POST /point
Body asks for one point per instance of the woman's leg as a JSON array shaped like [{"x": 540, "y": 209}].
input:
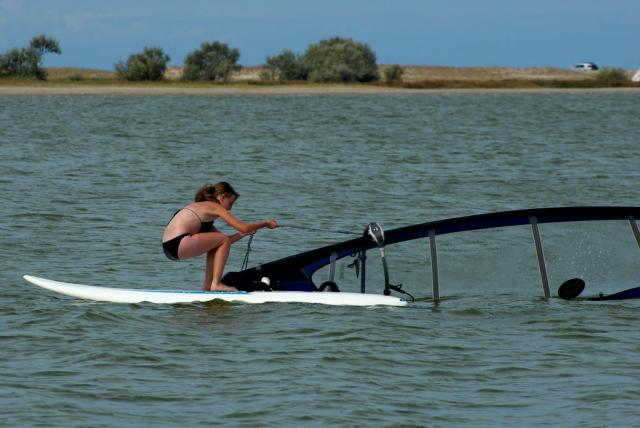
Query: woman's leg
[
  {"x": 220, "y": 256},
  {"x": 216, "y": 261},
  {"x": 208, "y": 272},
  {"x": 217, "y": 246}
]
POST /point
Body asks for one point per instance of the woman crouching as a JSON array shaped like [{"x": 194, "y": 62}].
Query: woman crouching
[{"x": 191, "y": 232}]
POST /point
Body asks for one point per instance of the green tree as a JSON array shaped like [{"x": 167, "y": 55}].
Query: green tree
[
  {"x": 42, "y": 45},
  {"x": 213, "y": 61},
  {"x": 27, "y": 62},
  {"x": 340, "y": 60},
  {"x": 393, "y": 74},
  {"x": 150, "y": 64},
  {"x": 285, "y": 66}
]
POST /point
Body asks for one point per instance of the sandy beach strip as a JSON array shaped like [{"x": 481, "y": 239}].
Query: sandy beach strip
[{"x": 17, "y": 90}]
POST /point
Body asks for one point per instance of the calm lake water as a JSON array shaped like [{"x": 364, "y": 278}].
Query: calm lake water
[{"x": 89, "y": 182}]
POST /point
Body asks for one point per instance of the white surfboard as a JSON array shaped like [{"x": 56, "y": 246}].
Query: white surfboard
[{"x": 126, "y": 295}]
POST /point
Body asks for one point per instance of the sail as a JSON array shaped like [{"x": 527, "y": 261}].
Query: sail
[{"x": 296, "y": 272}]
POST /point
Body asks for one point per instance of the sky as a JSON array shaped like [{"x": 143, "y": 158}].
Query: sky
[{"x": 503, "y": 33}]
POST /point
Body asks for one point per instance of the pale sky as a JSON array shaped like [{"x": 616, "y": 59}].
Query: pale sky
[{"x": 511, "y": 33}]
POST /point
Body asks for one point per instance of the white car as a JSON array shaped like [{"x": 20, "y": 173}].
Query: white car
[{"x": 585, "y": 66}]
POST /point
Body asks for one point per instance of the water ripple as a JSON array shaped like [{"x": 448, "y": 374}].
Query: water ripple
[{"x": 88, "y": 190}]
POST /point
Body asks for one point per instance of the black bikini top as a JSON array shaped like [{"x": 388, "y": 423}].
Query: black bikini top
[{"x": 204, "y": 226}]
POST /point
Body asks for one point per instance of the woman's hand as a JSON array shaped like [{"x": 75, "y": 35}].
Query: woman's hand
[{"x": 271, "y": 224}]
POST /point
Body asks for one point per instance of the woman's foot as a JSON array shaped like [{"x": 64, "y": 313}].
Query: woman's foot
[{"x": 222, "y": 287}]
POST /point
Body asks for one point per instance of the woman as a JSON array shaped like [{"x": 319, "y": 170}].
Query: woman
[{"x": 190, "y": 231}]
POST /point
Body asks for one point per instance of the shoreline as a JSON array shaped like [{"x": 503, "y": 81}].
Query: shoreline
[
  {"x": 337, "y": 89},
  {"x": 416, "y": 79}
]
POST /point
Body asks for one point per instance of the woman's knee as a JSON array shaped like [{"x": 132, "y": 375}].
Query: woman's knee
[{"x": 224, "y": 242}]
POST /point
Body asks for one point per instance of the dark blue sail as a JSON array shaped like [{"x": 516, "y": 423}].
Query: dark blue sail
[{"x": 296, "y": 272}]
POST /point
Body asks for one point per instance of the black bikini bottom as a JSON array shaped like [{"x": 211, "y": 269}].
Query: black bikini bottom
[{"x": 171, "y": 247}]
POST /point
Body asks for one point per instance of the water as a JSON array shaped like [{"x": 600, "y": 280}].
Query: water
[{"x": 89, "y": 182}]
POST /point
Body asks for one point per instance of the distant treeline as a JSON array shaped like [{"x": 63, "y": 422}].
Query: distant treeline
[
  {"x": 333, "y": 60},
  {"x": 330, "y": 60},
  {"x": 338, "y": 60}
]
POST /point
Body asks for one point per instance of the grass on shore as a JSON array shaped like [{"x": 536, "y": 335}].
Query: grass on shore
[
  {"x": 516, "y": 84},
  {"x": 415, "y": 77}
]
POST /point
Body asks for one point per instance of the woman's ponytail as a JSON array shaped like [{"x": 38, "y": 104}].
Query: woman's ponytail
[{"x": 210, "y": 192}]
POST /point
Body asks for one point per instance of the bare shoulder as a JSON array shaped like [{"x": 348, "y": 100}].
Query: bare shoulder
[{"x": 208, "y": 208}]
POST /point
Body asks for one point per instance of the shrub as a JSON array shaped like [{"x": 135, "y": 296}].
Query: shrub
[
  {"x": 213, "y": 61},
  {"x": 612, "y": 75},
  {"x": 285, "y": 66},
  {"x": 14, "y": 63},
  {"x": 150, "y": 64},
  {"x": 393, "y": 74},
  {"x": 27, "y": 62},
  {"x": 340, "y": 60}
]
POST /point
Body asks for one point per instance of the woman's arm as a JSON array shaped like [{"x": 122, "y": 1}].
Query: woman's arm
[
  {"x": 238, "y": 224},
  {"x": 238, "y": 236}
]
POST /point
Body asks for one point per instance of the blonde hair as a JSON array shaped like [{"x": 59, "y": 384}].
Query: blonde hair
[{"x": 210, "y": 192}]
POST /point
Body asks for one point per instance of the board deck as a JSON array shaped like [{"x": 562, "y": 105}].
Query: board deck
[{"x": 126, "y": 295}]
